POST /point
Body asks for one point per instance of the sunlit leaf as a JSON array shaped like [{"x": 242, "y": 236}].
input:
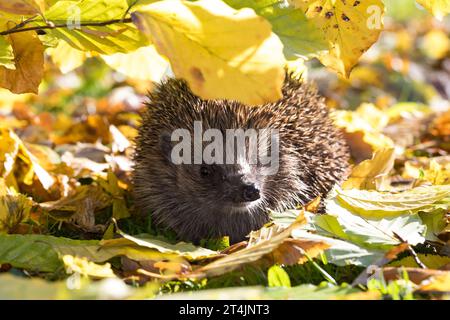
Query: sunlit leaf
[
  {"x": 277, "y": 277},
  {"x": 145, "y": 63},
  {"x": 29, "y": 63},
  {"x": 87, "y": 268},
  {"x": 381, "y": 232},
  {"x": 66, "y": 57},
  {"x": 214, "y": 64},
  {"x": 439, "y": 8},
  {"x": 22, "y": 7},
  {"x": 108, "y": 39},
  {"x": 343, "y": 253},
  {"x": 437, "y": 284},
  {"x": 299, "y": 35},
  {"x": 6, "y": 54},
  {"x": 370, "y": 203},
  {"x": 372, "y": 174},
  {"x": 187, "y": 250},
  {"x": 349, "y": 27}
]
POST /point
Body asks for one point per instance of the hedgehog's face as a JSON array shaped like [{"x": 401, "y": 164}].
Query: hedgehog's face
[
  {"x": 217, "y": 187},
  {"x": 220, "y": 188}
]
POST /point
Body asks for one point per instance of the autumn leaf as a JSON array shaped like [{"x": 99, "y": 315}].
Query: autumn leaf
[
  {"x": 145, "y": 63},
  {"x": 299, "y": 35},
  {"x": 212, "y": 62},
  {"x": 373, "y": 203},
  {"x": 440, "y": 283},
  {"x": 6, "y": 54},
  {"x": 22, "y": 7},
  {"x": 87, "y": 268},
  {"x": 372, "y": 174},
  {"x": 15, "y": 149},
  {"x": 107, "y": 39},
  {"x": 349, "y": 27},
  {"x": 29, "y": 63},
  {"x": 66, "y": 57},
  {"x": 439, "y": 8}
]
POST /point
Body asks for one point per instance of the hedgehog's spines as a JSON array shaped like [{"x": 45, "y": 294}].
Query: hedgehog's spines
[{"x": 313, "y": 157}]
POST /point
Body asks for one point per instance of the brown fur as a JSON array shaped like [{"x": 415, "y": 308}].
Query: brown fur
[{"x": 313, "y": 157}]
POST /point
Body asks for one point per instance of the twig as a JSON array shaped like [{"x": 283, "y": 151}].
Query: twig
[
  {"x": 55, "y": 26},
  {"x": 413, "y": 253}
]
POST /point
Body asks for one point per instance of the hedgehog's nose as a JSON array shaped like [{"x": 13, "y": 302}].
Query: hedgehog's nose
[{"x": 250, "y": 193}]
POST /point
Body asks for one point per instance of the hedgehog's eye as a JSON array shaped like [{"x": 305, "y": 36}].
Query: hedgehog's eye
[{"x": 204, "y": 171}]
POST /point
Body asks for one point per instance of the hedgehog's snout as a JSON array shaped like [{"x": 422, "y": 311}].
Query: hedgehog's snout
[
  {"x": 245, "y": 192},
  {"x": 250, "y": 193}
]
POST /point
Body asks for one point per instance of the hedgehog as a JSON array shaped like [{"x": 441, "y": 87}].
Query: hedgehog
[{"x": 205, "y": 200}]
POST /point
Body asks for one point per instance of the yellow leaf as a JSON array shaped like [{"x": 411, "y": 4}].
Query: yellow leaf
[
  {"x": 145, "y": 63},
  {"x": 439, "y": 8},
  {"x": 350, "y": 27},
  {"x": 363, "y": 129},
  {"x": 439, "y": 283},
  {"x": 223, "y": 53},
  {"x": 14, "y": 208},
  {"x": 436, "y": 44},
  {"x": 436, "y": 171},
  {"x": 87, "y": 268},
  {"x": 66, "y": 57},
  {"x": 29, "y": 62},
  {"x": 13, "y": 149},
  {"x": 371, "y": 174}
]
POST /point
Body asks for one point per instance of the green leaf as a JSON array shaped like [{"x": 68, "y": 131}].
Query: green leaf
[
  {"x": 300, "y": 37},
  {"x": 374, "y": 233},
  {"x": 343, "y": 253},
  {"x": 6, "y": 54},
  {"x": 22, "y": 288},
  {"x": 277, "y": 277},
  {"x": 436, "y": 222},
  {"x": 109, "y": 39},
  {"x": 44, "y": 253},
  {"x": 41, "y": 253},
  {"x": 186, "y": 250}
]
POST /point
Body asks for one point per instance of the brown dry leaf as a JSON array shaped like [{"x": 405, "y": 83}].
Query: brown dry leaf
[
  {"x": 79, "y": 207},
  {"x": 266, "y": 246},
  {"x": 394, "y": 252},
  {"x": 313, "y": 206},
  {"x": 22, "y": 7},
  {"x": 27, "y": 169},
  {"x": 441, "y": 126},
  {"x": 415, "y": 275},
  {"x": 29, "y": 62},
  {"x": 93, "y": 129},
  {"x": 292, "y": 251}
]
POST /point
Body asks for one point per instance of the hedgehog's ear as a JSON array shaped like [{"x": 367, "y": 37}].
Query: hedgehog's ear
[{"x": 166, "y": 144}]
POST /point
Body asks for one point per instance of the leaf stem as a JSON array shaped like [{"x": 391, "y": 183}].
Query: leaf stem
[{"x": 50, "y": 25}]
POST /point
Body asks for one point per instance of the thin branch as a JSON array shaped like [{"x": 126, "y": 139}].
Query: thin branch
[
  {"x": 55, "y": 26},
  {"x": 413, "y": 253}
]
